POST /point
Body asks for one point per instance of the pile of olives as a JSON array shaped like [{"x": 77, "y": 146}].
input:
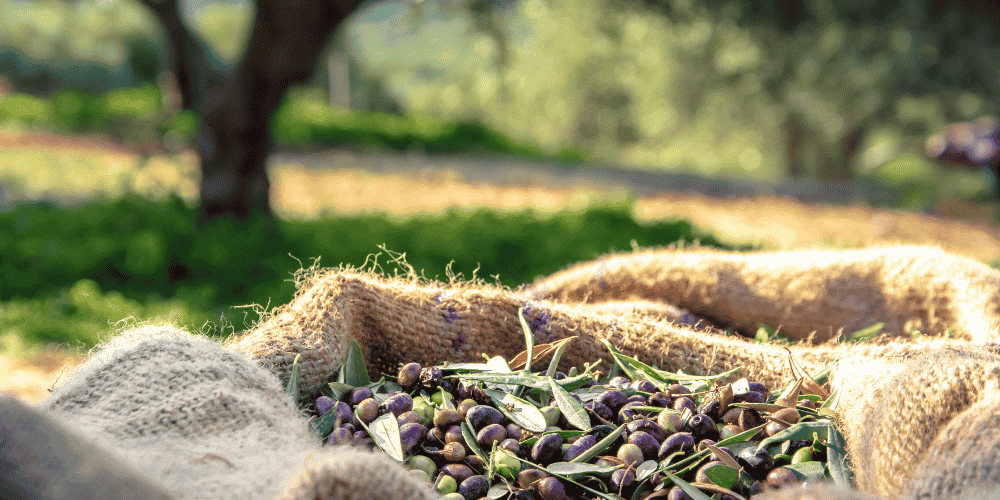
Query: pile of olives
[{"x": 470, "y": 437}]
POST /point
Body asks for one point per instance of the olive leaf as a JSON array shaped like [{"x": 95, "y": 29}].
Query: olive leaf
[
  {"x": 632, "y": 367},
  {"x": 541, "y": 351},
  {"x": 339, "y": 390},
  {"x": 498, "y": 491},
  {"x": 354, "y": 372},
  {"x": 864, "y": 333},
  {"x": 522, "y": 412},
  {"x": 838, "y": 462},
  {"x": 525, "y": 379},
  {"x": 726, "y": 477},
  {"x": 646, "y": 469},
  {"x": 568, "y": 479},
  {"x": 445, "y": 400},
  {"x": 790, "y": 397},
  {"x": 807, "y": 381},
  {"x": 529, "y": 339},
  {"x": 470, "y": 440},
  {"x": 292, "y": 389},
  {"x": 693, "y": 492},
  {"x": 554, "y": 363},
  {"x": 384, "y": 430},
  {"x": 457, "y": 367},
  {"x": 574, "y": 412},
  {"x": 724, "y": 457},
  {"x": 799, "y": 431},
  {"x": 808, "y": 470},
  {"x": 577, "y": 468}
]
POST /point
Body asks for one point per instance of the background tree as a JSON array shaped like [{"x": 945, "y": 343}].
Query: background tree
[{"x": 234, "y": 139}]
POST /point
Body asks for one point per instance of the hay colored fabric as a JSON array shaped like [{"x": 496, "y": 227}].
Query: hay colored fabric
[{"x": 919, "y": 413}]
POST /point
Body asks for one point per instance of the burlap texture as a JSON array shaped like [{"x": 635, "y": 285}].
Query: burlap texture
[
  {"x": 918, "y": 414},
  {"x": 203, "y": 422}
]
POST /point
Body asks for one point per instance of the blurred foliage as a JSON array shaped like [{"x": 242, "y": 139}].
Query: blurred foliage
[
  {"x": 71, "y": 272},
  {"x": 713, "y": 86}
]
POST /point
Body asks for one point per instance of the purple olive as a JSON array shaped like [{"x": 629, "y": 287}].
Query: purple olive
[
  {"x": 460, "y": 472},
  {"x": 644, "y": 386},
  {"x": 551, "y": 488},
  {"x": 527, "y": 477},
  {"x": 398, "y": 404},
  {"x": 659, "y": 399},
  {"x": 577, "y": 448},
  {"x": 324, "y": 403},
  {"x": 600, "y": 409},
  {"x": 480, "y": 416},
  {"x": 685, "y": 402},
  {"x": 646, "y": 443},
  {"x": 613, "y": 399},
  {"x": 359, "y": 394},
  {"x": 619, "y": 382},
  {"x": 678, "y": 441},
  {"x": 547, "y": 449},
  {"x": 623, "y": 478},
  {"x": 339, "y": 436},
  {"x": 703, "y": 427},
  {"x": 474, "y": 487},
  {"x": 490, "y": 435},
  {"x": 648, "y": 426},
  {"x": 410, "y": 435}
]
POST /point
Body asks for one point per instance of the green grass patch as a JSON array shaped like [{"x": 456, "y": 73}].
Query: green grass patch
[{"x": 71, "y": 273}]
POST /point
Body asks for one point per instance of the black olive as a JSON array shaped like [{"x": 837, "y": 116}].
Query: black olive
[
  {"x": 482, "y": 415},
  {"x": 619, "y": 382},
  {"x": 685, "y": 402},
  {"x": 703, "y": 427},
  {"x": 757, "y": 464},
  {"x": 551, "y": 488},
  {"x": 460, "y": 472},
  {"x": 623, "y": 478},
  {"x": 474, "y": 487},
  {"x": 650, "y": 427},
  {"x": 581, "y": 445},
  {"x": 678, "y": 441},
  {"x": 644, "y": 385},
  {"x": 600, "y": 409},
  {"x": 410, "y": 435},
  {"x": 493, "y": 433},
  {"x": 547, "y": 449},
  {"x": 527, "y": 477},
  {"x": 430, "y": 377},
  {"x": 613, "y": 399},
  {"x": 646, "y": 443},
  {"x": 659, "y": 399}
]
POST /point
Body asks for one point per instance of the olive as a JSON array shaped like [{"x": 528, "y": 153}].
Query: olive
[
  {"x": 465, "y": 405},
  {"x": 630, "y": 454},
  {"x": 648, "y": 426},
  {"x": 623, "y": 478},
  {"x": 420, "y": 475},
  {"x": 804, "y": 454},
  {"x": 480, "y": 416},
  {"x": 446, "y": 418},
  {"x": 781, "y": 476},
  {"x": 729, "y": 431},
  {"x": 367, "y": 411},
  {"x": 659, "y": 399},
  {"x": 490, "y": 435},
  {"x": 453, "y": 452},
  {"x": 749, "y": 419},
  {"x": 558, "y": 375},
  {"x": 703, "y": 427},
  {"x": 600, "y": 409},
  {"x": 626, "y": 415},
  {"x": 430, "y": 377},
  {"x": 511, "y": 445},
  {"x": 732, "y": 416},
  {"x": 676, "y": 493},
  {"x": 644, "y": 385},
  {"x": 773, "y": 428},
  {"x": 460, "y": 472},
  {"x": 757, "y": 464},
  {"x": 474, "y": 487},
  {"x": 547, "y": 449},
  {"x": 581, "y": 445},
  {"x": 423, "y": 463},
  {"x": 527, "y": 477},
  {"x": 408, "y": 417},
  {"x": 349, "y": 427},
  {"x": 677, "y": 390},
  {"x": 613, "y": 399},
  {"x": 711, "y": 406},
  {"x": 453, "y": 496},
  {"x": 525, "y": 495},
  {"x": 446, "y": 484},
  {"x": 474, "y": 461},
  {"x": 685, "y": 402},
  {"x": 437, "y": 434},
  {"x": 551, "y": 488},
  {"x": 787, "y": 416},
  {"x": 409, "y": 374},
  {"x": 638, "y": 399},
  {"x": 454, "y": 435},
  {"x": 648, "y": 444},
  {"x": 619, "y": 382},
  {"x": 359, "y": 436},
  {"x": 670, "y": 421},
  {"x": 410, "y": 435},
  {"x": 339, "y": 436},
  {"x": 345, "y": 411},
  {"x": 515, "y": 431},
  {"x": 359, "y": 394},
  {"x": 551, "y": 414},
  {"x": 601, "y": 431},
  {"x": 678, "y": 441},
  {"x": 757, "y": 387},
  {"x": 324, "y": 403},
  {"x": 750, "y": 397},
  {"x": 398, "y": 404}
]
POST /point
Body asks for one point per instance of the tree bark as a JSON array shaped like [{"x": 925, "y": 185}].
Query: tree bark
[{"x": 234, "y": 140}]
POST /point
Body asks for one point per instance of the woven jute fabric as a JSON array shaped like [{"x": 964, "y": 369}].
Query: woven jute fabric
[{"x": 918, "y": 411}]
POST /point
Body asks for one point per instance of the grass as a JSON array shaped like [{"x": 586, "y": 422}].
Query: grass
[{"x": 73, "y": 273}]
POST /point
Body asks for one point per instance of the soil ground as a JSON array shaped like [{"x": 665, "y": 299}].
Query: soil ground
[{"x": 342, "y": 182}]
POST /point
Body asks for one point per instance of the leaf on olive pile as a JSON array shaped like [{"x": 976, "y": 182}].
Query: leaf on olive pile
[
  {"x": 540, "y": 351},
  {"x": 574, "y": 412},
  {"x": 800, "y": 431}
]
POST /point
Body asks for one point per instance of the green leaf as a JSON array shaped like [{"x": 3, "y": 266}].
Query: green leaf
[
  {"x": 601, "y": 445},
  {"x": 457, "y": 367},
  {"x": 525, "y": 379},
  {"x": 646, "y": 469},
  {"x": 498, "y": 364},
  {"x": 292, "y": 389},
  {"x": 809, "y": 470},
  {"x": 354, "y": 372},
  {"x": 633, "y": 367},
  {"x": 339, "y": 390},
  {"x": 864, "y": 334},
  {"x": 574, "y": 412},
  {"x": 524, "y": 413},
  {"x": 384, "y": 430},
  {"x": 445, "y": 400},
  {"x": 692, "y": 492},
  {"x": 724, "y": 476},
  {"x": 556, "y": 357},
  {"x": 568, "y": 479},
  {"x": 498, "y": 491},
  {"x": 470, "y": 440},
  {"x": 762, "y": 335},
  {"x": 799, "y": 431},
  {"x": 565, "y": 435},
  {"x": 578, "y": 468},
  {"x": 837, "y": 460},
  {"x": 529, "y": 339},
  {"x": 323, "y": 425}
]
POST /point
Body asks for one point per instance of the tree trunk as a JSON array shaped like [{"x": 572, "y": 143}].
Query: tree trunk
[{"x": 234, "y": 140}]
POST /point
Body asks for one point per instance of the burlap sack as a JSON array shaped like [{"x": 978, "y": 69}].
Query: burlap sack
[{"x": 918, "y": 413}]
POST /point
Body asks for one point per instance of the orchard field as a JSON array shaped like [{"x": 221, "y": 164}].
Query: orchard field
[{"x": 62, "y": 191}]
